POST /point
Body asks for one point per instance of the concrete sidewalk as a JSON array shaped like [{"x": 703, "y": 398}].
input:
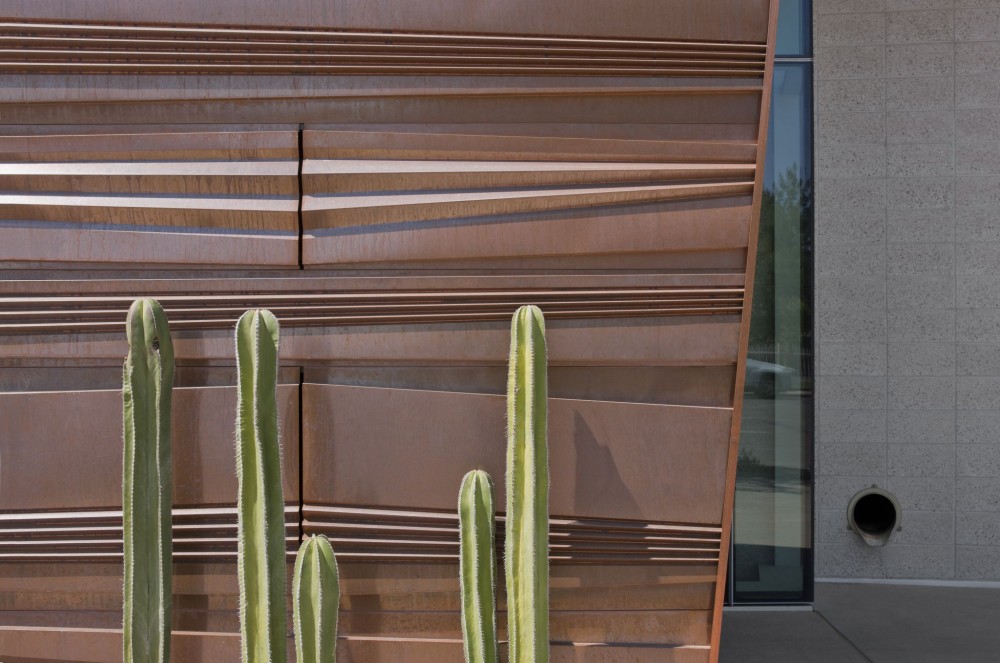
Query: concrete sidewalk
[{"x": 871, "y": 623}]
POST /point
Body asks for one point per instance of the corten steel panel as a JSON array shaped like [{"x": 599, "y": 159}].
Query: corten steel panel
[
  {"x": 148, "y": 196},
  {"x": 32, "y": 645},
  {"x": 391, "y": 197},
  {"x": 619, "y": 575},
  {"x": 619, "y": 461},
  {"x": 595, "y": 319},
  {"x": 710, "y": 20},
  {"x": 408, "y": 174},
  {"x": 60, "y": 524},
  {"x": 64, "y": 448}
]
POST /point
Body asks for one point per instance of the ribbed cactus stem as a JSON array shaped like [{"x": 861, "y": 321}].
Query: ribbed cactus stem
[
  {"x": 147, "y": 484},
  {"x": 477, "y": 567},
  {"x": 315, "y": 601},
  {"x": 527, "y": 538},
  {"x": 261, "y": 509}
]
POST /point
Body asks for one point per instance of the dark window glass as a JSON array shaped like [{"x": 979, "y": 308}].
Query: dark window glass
[
  {"x": 772, "y": 535},
  {"x": 794, "y": 37}
]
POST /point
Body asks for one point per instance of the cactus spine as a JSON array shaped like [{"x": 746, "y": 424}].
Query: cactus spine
[
  {"x": 527, "y": 537},
  {"x": 261, "y": 509},
  {"x": 147, "y": 484},
  {"x": 477, "y": 567},
  {"x": 315, "y": 601}
]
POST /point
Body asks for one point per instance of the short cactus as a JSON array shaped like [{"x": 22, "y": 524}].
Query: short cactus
[
  {"x": 147, "y": 484},
  {"x": 261, "y": 508},
  {"x": 527, "y": 537},
  {"x": 315, "y": 601},
  {"x": 477, "y": 567}
]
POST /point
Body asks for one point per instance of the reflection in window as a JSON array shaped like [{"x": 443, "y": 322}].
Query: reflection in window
[
  {"x": 794, "y": 38},
  {"x": 772, "y": 521}
]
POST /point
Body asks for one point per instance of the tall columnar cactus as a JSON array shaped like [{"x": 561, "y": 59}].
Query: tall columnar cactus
[
  {"x": 261, "y": 509},
  {"x": 315, "y": 601},
  {"x": 477, "y": 567},
  {"x": 147, "y": 484},
  {"x": 527, "y": 538}
]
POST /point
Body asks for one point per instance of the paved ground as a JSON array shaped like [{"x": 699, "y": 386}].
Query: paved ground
[{"x": 870, "y": 623}]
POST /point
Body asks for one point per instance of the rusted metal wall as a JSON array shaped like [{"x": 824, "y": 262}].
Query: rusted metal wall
[{"x": 392, "y": 180}]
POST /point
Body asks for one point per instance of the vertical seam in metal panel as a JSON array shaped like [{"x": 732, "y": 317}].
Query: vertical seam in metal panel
[
  {"x": 751, "y": 260},
  {"x": 302, "y": 158},
  {"x": 301, "y": 446}
]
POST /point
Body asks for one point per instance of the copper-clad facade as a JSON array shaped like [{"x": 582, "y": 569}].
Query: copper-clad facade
[{"x": 392, "y": 180}]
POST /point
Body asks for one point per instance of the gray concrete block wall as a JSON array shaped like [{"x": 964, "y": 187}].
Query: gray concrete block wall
[{"x": 907, "y": 241}]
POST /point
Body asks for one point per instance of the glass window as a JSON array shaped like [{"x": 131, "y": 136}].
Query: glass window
[
  {"x": 794, "y": 38},
  {"x": 772, "y": 538}
]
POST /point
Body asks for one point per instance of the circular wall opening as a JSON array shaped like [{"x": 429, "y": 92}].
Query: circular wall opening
[{"x": 874, "y": 514}]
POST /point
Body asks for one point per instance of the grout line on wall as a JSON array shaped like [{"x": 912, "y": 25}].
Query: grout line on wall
[
  {"x": 814, "y": 322},
  {"x": 914, "y": 582},
  {"x": 954, "y": 303},
  {"x": 885, "y": 276}
]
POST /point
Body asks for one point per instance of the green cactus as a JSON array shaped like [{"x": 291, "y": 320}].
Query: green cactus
[
  {"x": 261, "y": 509},
  {"x": 477, "y": 567},
  {"x": 527, "y": 537},
  {"x": 315, "y": 601},
  {"x": 147, "y": 484}
]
